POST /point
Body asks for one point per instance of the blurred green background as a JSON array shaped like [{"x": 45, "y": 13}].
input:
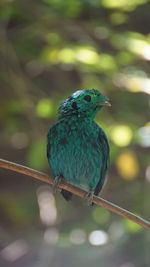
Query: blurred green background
[{"x": 49, "y": 49}]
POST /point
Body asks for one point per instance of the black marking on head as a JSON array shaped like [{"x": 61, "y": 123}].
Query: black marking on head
[
  {"x": 74, "y": 106},
  {"x": 87, "y": 98}
]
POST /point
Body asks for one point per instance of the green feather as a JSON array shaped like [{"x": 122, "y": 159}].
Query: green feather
[{"x": 77, "y": 148}]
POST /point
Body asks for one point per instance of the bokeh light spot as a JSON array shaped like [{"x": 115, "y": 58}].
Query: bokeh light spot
[
  {"x": 127, "y": 165},
  {"x": 133, "y": 83},
  {"x": 51, "y": 236},
  {"x": 139, "y": 47},
  {"x": 87, "y": 55},
  {"x": 44, "y": 108},
  {"x": 118, "y": 18},
  {"x": 114, "y": 3},
  {"x": 122, "y": 4},
  {"x": 101, "y": 32},
  {"x": 67, "y": 55},
  {"x": 98, "y": 238},
  {"x": 116, "y": 230},
  {"x": 77, "y": 236},
  {"x": 36, "y": 156},
  {"x": 106, "y": 62},
  {"x": 19, "y": 140},
  {"x": 47, "y": 206},
  {"x": 121, "y": 135},
  {"x": 15, "y": 250},
  {"x": 132, "y": 227},
  {"x": 144, "y": 136},
  {"x": 100, "y": 215}
]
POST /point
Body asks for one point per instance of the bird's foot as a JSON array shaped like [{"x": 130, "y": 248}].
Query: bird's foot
[
  {"x": 57, "y": 181},
  {"x": 89, "y": 197}
]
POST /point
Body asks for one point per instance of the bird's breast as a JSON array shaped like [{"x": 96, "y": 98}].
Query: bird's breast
[{"x": 75, "y": 153}]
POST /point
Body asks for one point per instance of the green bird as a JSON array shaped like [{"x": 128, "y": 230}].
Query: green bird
[{"x": 77, "y": 148}]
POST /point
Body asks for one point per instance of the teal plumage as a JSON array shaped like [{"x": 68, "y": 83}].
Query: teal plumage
[{"x": 77, "y": 148}]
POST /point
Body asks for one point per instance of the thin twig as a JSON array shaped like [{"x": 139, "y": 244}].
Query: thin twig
[{"x": 76, "y": 191}]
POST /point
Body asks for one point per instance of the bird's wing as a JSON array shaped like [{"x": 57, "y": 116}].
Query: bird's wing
[
  {"x": 50, "y": 137},
  {"x": 48, "y": 146},
  {"x": 104, "y": 146}
]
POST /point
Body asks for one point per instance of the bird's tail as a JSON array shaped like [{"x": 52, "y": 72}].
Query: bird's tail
[{"x": 67, "y": 195}]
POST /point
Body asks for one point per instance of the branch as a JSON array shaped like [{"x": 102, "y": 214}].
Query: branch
[{"x": 76, "y": 191}]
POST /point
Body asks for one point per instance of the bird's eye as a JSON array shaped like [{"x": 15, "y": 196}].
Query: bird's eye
[
  {"x": 74, "y": 105},
  {"x": 87, "y": 98}
]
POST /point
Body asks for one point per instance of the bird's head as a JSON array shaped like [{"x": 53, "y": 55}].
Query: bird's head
[{"x": 83, "y": 103}]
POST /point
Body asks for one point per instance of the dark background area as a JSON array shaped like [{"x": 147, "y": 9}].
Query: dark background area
[{"x": 49, "y": 49}]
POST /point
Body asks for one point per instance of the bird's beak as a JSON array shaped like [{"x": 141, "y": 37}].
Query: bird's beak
[{"x": 106, "y": 103}]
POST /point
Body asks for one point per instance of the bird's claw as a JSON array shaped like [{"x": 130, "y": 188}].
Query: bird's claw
[
  {"x": 89, "y": 197},
  {"x": 57, "y": 181}
]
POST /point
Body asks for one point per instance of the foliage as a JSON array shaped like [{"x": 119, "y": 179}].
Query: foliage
[{"x": 48, "y": 50}]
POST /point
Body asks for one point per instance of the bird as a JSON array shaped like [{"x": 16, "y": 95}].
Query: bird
[{"x": 77, "y": 148}]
